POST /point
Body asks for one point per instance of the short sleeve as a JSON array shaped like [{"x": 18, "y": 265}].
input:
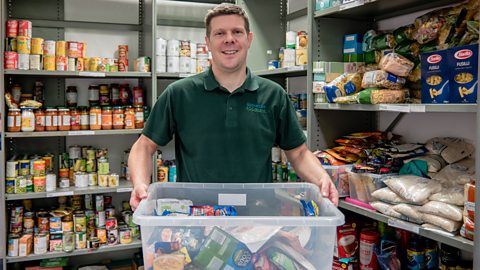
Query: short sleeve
[
  {"x": 160, "y": 126},
  {"x": 289, "y": 132}
]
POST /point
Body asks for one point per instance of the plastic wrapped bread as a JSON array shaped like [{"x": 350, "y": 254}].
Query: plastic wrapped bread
[
  {"x": 381, "y": 79},
  {"x": 396, "y": 64}
]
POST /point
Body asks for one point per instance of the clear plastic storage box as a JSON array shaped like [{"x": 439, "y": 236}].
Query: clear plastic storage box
[
  {"x": 270, "y": 228},
  {"x": 362, "y": 185},
  {"x": 339, "y": 175}
]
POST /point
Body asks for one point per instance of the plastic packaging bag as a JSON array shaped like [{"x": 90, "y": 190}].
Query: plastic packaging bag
[
  {"x": 404, "y": 33},
  {"x": 410, "y": 211},
  {"x": 459, "y": 173},
  {"x": 446, "y": 224},
  {"x": 427, "y": 27},
  {"x": 387, "y": 256},
  {"x": 450, "y": 148},
  {"x": 383, "y": 41},
  {"x": 346, "y": 84},
  {"x": 383, "y": 96},
  {"x": 381, "y": 79},
  {"x": 386, "y": 209},
  {"x": 396, "y": 64},
  {"x": 453, "y": 195},
  {"x": 388, "y": 196},
  {"x": 413, "y": 188},
  {"x": 442, "y": 209}
]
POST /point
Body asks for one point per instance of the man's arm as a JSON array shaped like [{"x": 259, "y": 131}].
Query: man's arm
[
  {"x": 308, "y": 168},
  {"x": 140, "y": 168}
]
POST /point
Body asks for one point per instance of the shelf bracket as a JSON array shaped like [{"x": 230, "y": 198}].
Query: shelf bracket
[{"x": 395, "y": 122}]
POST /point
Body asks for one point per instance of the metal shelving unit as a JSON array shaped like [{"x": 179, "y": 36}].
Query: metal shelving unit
[
  {"x": 80, "y": 74},
  {"x": 287, "y": 72},
  {"x": 404, "y": 108},
  {"x": 72, "y": 133}
]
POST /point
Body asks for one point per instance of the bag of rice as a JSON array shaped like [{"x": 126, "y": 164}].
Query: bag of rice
[
  {"x": 451, "y": 149},
  {"x": 459, "y": 173},
  {"x": 453, "y": 195},
  {"x": 413, "y": 188},
  {"x": 386, "y": 209},
  {"x": 410, "y": 211},
  {"x": 387, "y": 195},
  {"x": 446, "y": 224},
  {"x": 442, "y": 209}
]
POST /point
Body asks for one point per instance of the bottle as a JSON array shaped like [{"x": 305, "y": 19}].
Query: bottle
[
  {"x": 72, "y": 96},
  {"x": 449, "y": 258},
  {"x": 28, "y": 120},
  {"x": 93, "y": 95},
  {"x": 431, "y": 254},
  {"x": 14, "y": 123},
  {"x": 415, "y": 254},
  {"x": 368, "y": 259},
  {"x": 39, "y": 120}
]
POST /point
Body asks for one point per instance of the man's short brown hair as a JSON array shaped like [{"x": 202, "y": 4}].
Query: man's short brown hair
[{"x": 226, "y": 9}]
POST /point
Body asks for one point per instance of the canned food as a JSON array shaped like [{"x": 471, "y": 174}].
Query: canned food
[
  {"x": 202, "y": 50},
  {"x": 92, "y": 178},
  {"x": 49, "y": 62},
  {"x": 49, "y": 47},
  {"x": 80, "y": 240},
  {"x": 125, "y": 205},
  {"x": 80, "y": 223},
  {"x": 37, "y": 46},
  {"x": 12, "y": 169},
  {"x": 25, "y": 28},
  {"x": 102, "y": 235},
  {"x": 113, "y": 180},
  {"x": 39, "y": 167},
  {"x": 67, "y": 225},
  {"x": 29, "y": 181},
  {"x": 111, "y": 223},
  {"x": 125, "y": 236},
  {"x": 11, "y": 44},
  {"x": 112, "y": 237},
  {"x": 24, "y": 167},
  {"x": 88, "y": 202},
  {"x": 61, "y": 63},
  {"x": 75, "y": 152},
  {"x": 99, "y": 203},
  {"x": 81, "y": 180},
  {"x": 40, "y": 243},
  {"x": 65, "y": 181},
  {"x": 61, "y": 48},
  {"x": 43, "y": 222},
  {"x": 28, "y": 221},
  {"x": 76, "y": 202},
  {"x": 55, "y": 224},
  {"x": 56, "y": 242},
  {"x": 122, "y": 51},
  {"x": 79, "y": 165},
  {"x": 11, "y": 60},
  {"x": 68, "y": 241},
  {"x": 103, "y": 180},
  {"x": 16, "y": 218},
  {"x": 23, "y": 61},
  {"x": 10, "y": 185},
  {"x": 100, "y": 219},
  {"x": 71, "y": 64},
  {"x": 35, "y": 62},
  {"x": 20, "y": 184},
  {"x": 72, "y": 49},
  {"x": 82, "y": 49},
  {"x": 51, "y": 182},
  {"x": 94, "y": 243},
  {"x": 39, "y": 184},
  {"x": 110, "y": 212},
  {"x": 12, "y": 29},
  {"x": 127, "y": 217},
  {"x": 94, "y": 63},
  {"x": 80, "y": 64},
  {"x": 13, "y": 241},
  {"x": 135, "y": 231},
  {"x": 24, "y": 45}
]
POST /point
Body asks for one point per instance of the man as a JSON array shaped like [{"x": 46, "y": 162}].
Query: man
[{"x": 225, "y": 120}]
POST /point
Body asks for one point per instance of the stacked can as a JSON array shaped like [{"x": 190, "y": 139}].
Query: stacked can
[
  {"x": 49, "y": 50},
  {"x": 73, "y": 53},
  {"x": 10, "y": 54},
  {"x": 202, "y": 57},
  {"x": 24, "y": 44},
  {"x": 122, "y": 58},
  {"x": 160, "y": 57},
  {"x": 61, "y": 55},
  {"x": 185, "y": 53},
  {"x": 142, "y": 64},
  {"x": 173, "y": 55}
]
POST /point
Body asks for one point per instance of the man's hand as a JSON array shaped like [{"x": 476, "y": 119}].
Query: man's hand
[
  {"x": 328, "y": 190},
  {"x": 139, "y": 192}
]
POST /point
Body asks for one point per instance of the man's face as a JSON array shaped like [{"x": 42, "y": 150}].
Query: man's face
[{"x": 228, "y": 42}]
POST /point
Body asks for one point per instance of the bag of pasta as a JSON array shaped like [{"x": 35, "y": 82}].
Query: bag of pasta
[
  {"x": 381, "y": 79},
  {"x": 346, "y": 84},
  {"x": 383, "y": 41},
  {"x": 427, "y": 27},
  {"x": 404, "y": 33},
  {"x": 396, "y": 64}
]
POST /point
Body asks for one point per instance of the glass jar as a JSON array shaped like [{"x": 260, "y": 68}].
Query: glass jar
[
  {"x": 107, "y": 115},
  {"x": 39, "y": 120},
  {"x": 93, "y": 95},
  {"x": 75, "y": 119},
  {"x": 84, "y": 118},
  {"x": 72, "y": 96},
  {"x": 118, "y": 117},
  {"x": 95, "y": 118},
  {"x": 51, "y": 119},
  {"x": 104, "y": 95},
  {"x": 115, "y": 91},
  {"x": 28, "y": 120},
  {"x": 124, "y": 94},
  {"x": 137, "y": 96},
  {"x": 129, "y": 117},
  {"x": 68, "y": 241},
  {"x": 64, "y": 119},
  {"x": 14, "y": 122},
  {"x": 138, "y": 116}
]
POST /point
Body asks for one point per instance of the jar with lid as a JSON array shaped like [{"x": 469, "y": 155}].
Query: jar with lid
[
  {"x": 118, "y": 117},
  {"x": 115, "y": 92},
  {"x": 93, "y": 95},
  {"x": 138, "y": 116},
  {"x": 39, "y": 120},
  {"x": 107, "y": 115},
  {"x": 129, "y": 117},
  {"x": 75, "y": 119},
  {"x": 68, "y": 241},
  {"x": 137, "y": 96},
  {"x": 124, "y": 94},
  {"x": 28, "y": 120},
  {"x": 72, "y": 96},
  {"x": 25, "y": 97},
  {"x": 84, "y": 118},
  {"x": 51, "y": 119},
  {"x": 64, "y": 119},
  {"x": 14, "y": 122},
  {"x": 95, "y": 118},
  {"x": 104, "y": 95}
]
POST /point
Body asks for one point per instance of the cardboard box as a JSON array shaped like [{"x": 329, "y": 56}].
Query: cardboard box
[
  {"x": 301, "y": 57},
  {"x": 463, "y": 62},
  {"x": 318, "y": 87},
  {"x": 352, "y": 44},
  {"x": 25, "y": 245},
  {"x": 346, "y": 244},
  {"x": 435, "y": 77},
  {"x": 328, "y": 67},
  {"x": 322, "y": 4}
]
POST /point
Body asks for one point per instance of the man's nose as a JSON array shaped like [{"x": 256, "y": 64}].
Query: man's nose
[{"x": 229, "y": 37}]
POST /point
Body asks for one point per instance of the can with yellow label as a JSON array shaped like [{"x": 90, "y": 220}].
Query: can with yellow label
[
  {"x": 23, "y": 45},
  {"x": 37, "y": 46},
  {"x": 49, "y": 63},
  {"x": 61, "y": 48}
]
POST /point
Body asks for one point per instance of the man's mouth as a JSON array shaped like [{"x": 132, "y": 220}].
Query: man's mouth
[{"x": 230, "y": 52}]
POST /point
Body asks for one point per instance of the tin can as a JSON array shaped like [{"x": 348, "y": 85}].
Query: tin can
[
  {"x": 112, "y": 237},
  {"x": 10, "y": 185},
  {"x": 48, "y": 162},
  {"x": 39, "y": 167},
  {"x": 122, "y": 65},
  {"x": 80, "y": 223},
  {"x": 11, "y": 60},
  {"x": 67, "y": 224},
  {"x": 56, "y": 242},
  {"x": 173, "y": 47},
  {"x": 72, "y": 49},
  {"x": 99, "y": 203},
  {"x": 39, "y": 184},
  {"x": 114, "y": 65},
  {"x": 16, "y": 219},
  {"x": 92, "y": 178},
  {"x": 80, "y": 240},
  {"x": 202, "y": 64},
  {"x": 125, "y": 205},
  {"x": 184, "y": 64},
  {"x": 111, "y": 223},
  {"x": 93, "y": 243},
  {"x": 13, "y": 241},
  {"x": 103, "y": 180},
  {"x": 81, "y": 179},
  {"x": 29, "y": 183},
  {"x": 20, "y": 184},
  {"x": 55, "y": 224},
  {"x": 28, "y": 221},
  {"x": 12, "y": 29},
  {"x": 102, "y": 235},
  {"x": 135, "y": 231},
  {"x": 122, "y": 51},
  {"x": 88, "y": 202},
  {"x": 37, "y": 46},
  {"x": 49, "y": 47},
  {"x": 24, "y": 167},
  {"x": 49, "y": 63},
  {"x": 40, "y": 243},
  {"x": 51, "y": 182},
  {"x": 75, "y": 152},
  {"x": 193, "y": 50},
  {"x": 71, "y": 64},
  {"x": 12, "y": 169},
  {"x": 11, "y": 44},
  {"x": 64, "y": 182},
  {"x": 93, "y": 63},
  {"x": 80, "y": 64},
  {"x": 23, "y": 61},
  {"x": 82, "y": 49},
  {"x": 43, "y": 222},
  {"x": 202, "y": 50},
  {"x": 127, "y": 217},
  {"x": 100, "y": 219},
  {"x": 368, "y": 241},
  {"x": 125, "y": 236},
  {"x": 68, "y": 241},
  {"x": 35, "y": 62},
  {"x": 25, "y": 28},
  {"x": 23, "y": 45},
  {"x": 61, "y": 63},
  {"x": 110, "y": 212},
  {"x": 76, "y": 202},
  {"x": 61, "y": 48},
  {"x": 161, "y": 46},
  {"x": 173, "y": 64},
  {"x": 185, "y": 48}
]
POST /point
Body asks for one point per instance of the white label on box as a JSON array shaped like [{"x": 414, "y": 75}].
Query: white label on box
[
  {"x": 417, "y": 108},
  {"x": 232, "y": 199},
  {"x": 75, "y": 133},
  {"x": 295, "y": 68},
  {"x": 470, "y": 206},
  {"x": 91, "y": 74},
  {"x": 59, "y": 194},
  {"x": 128, "y": 189},
  {"x": 393, "y": 222},
  {"x": 395, "y": 108}
]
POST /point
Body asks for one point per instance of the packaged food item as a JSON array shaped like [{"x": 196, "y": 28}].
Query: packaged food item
[
  {"x": 409, "y": 49},
  {"x": 346, "y": 84},
  {"x": 382, "y": 79},
  {"x": 174, "y": 205},
  {"x": 412, "y": 212},
  {"x": 442, "y": 209},
  {"x": 427, "y": 27},
  {"x": 413, "y": 188},
  {"x": 386, "y": 209},
  {"x": 453, "y": 195},
  {"x": 404, "y": 33},
  {"x": 169, "y": 262},
  {"x": 396, "y": 64},
  {"x": 463, "y": 62},
  {"x": 346, "y": 244},
  {"x": 435, "y": 77},
  {"x": 209, "y": 210},
  {"x": 451, "y": 149},
  {"x": 383, "y": 41},
  {"x": 444, "y": 223},
  {"x": 381, "y": 96}
]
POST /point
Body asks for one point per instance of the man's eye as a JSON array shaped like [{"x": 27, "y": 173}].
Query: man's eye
[{"x": 218, "y": 34}]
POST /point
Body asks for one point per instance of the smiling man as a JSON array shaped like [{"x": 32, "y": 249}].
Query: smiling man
[{"x": 225, "y": 120}]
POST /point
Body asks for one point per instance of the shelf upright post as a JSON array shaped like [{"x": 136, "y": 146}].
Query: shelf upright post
[
  {"x": 476, "y": 245},
  {"x": 3, "y": 224}
]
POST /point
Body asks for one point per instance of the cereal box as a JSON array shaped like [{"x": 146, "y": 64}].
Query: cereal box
[
  {"x": 435, "y": 77},
  {"x": 463, "y": 62}
]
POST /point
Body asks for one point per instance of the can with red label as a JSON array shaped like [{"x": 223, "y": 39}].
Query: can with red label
[
  {"x": 11, "y": 60},
  {"x": 82, "y": 49},
  {"x": 111, "y": 223},
  {"x": 12, "y": 28},
  {"x": 72, "y": 49},
  {"x": 61, "y": 63},
  {"x": 49, "y": 47},
  {"x": 112, "y": 237},
  {"x": 137, "y": 96},
  {"x": 368, "y": 259},
  {"x": 25, "y": 28}
]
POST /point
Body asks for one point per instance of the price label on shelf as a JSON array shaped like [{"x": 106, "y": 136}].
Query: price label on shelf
[
  {"x": 91, "y": 74},
  {"x": 333, "y": 106},
  {"x": 295, "y": 68},
  {"x": 417, "y": 108},
  {"x": 59, "y": 194},
  {"x": 184, "y": 75},
  {"x": 394, "y": 108},
  {"x": 83, "y": 132},
  {"x": 127, "y": 189},
  {"x": 352, "y": 4},
  {"x": 393, "y": 222}
]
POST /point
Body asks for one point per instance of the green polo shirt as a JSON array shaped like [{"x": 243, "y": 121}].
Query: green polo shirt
[{"x": 220, "y": 136}]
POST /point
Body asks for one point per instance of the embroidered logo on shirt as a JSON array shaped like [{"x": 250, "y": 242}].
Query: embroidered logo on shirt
[{"x": 257, "y": 108}]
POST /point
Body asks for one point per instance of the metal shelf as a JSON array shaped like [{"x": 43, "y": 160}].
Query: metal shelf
[
  {"x": 81, "y": 74},
  {"x": 72, "y": 133},
  {"x": 86, "y": 25},
  {"x": 407, "y": 108},
  {"x": 370, "y": 10},
  {"x": 124, "y": 186},
  {"x": 289, "y": 72},
  {"x": 456, "y": 241},
  {"x": 77, "y": 252},
  {"x": 173, "y": 75}
]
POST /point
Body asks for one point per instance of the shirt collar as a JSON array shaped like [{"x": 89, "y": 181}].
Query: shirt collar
[{"x": 210, "y": 83}]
